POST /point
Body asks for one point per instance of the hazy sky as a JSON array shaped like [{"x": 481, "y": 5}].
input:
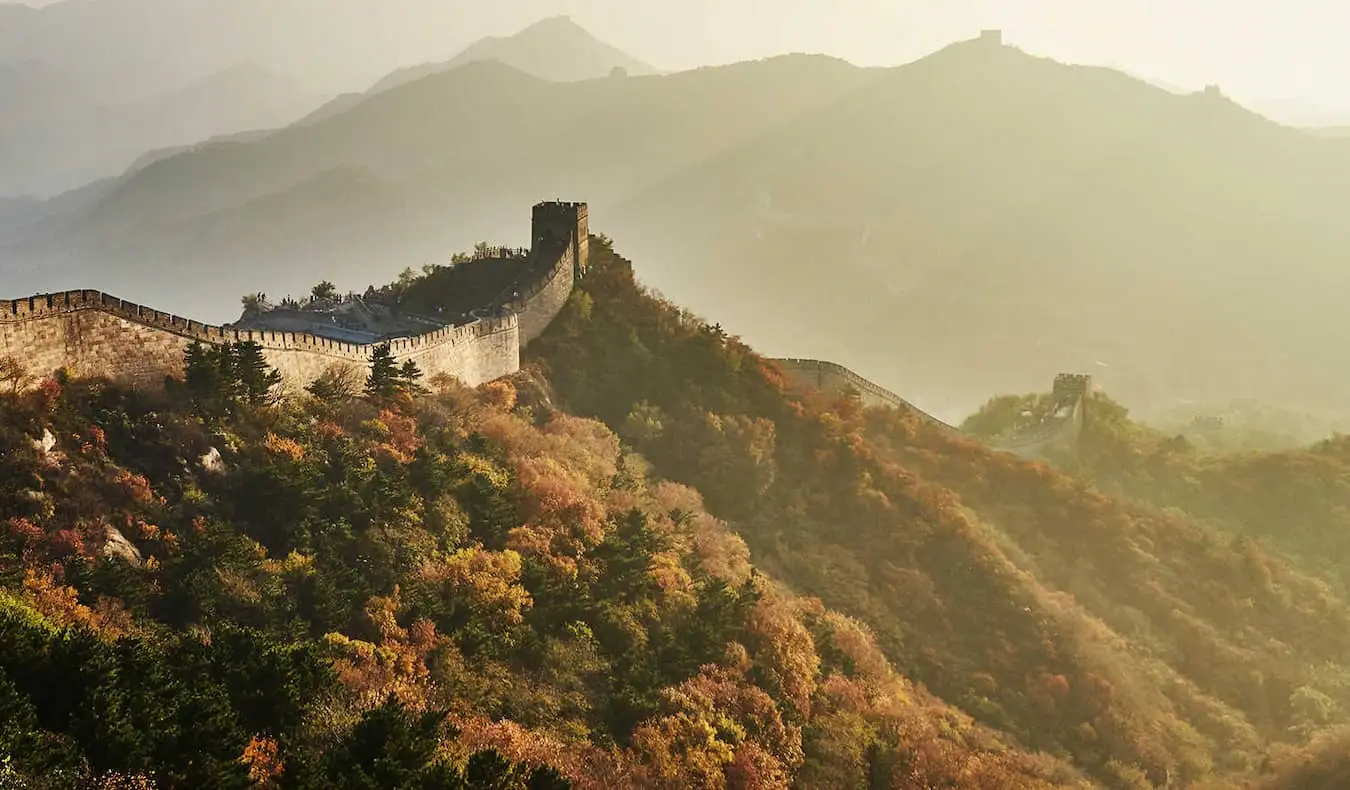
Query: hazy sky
[{"x": 1255, "y": 49}]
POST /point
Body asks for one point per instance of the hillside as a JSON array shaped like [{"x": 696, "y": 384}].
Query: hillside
[
  {"x": 640, "y": 562},
  {"x": 460, "y": 589},
  {"x": 1294, "y": 497},
  {"x": 1140, "y": 643},
  {"x": 1109, "y": 226},
  {"x": 71, "y": 67}
]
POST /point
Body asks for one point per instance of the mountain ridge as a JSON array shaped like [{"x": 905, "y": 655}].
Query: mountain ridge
[
  {"x": 886, "y": 174},
  {"x": 554, "y": 49}
]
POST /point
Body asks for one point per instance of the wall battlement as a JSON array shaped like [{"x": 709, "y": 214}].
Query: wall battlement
[
  {"x": 94, "y": 333},
  {"x": 1072, "y": 384}
]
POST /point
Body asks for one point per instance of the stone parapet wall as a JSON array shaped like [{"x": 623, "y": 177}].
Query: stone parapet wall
[
  {"x": 1056, "y": 435},
  {"x": 96, "y": 334},
  {"x": 836, "y": 379},
  {"x": 539, "y": 304}
]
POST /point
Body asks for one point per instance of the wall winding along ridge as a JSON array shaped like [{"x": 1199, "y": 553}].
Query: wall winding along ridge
[
  {"x": 1058, "y": 433},
  {"x": 95, "y": 334}
]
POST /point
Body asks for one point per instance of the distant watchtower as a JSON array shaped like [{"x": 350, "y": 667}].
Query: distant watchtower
[
  {"x": 992, "y": 38},
  {"x": 1072, "y": 385},
  {"x": 556, "y": 224}
]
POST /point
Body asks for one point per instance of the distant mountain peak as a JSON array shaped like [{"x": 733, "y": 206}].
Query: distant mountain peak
[
  {"x": 560, "y": 21},
  {"x": 555, "y": 48}
]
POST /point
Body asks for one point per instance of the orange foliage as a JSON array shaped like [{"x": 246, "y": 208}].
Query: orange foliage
[
  {"x": 263, "y": 762},
  {"x": 500, "y": 396},
  {"x": 61, "y": 605},
  {"x": 489, "y": 580},
  {"x": 396, "y": 665},
  {"x": 135, "y": 486},
  {"x": 284, "y": 447}
]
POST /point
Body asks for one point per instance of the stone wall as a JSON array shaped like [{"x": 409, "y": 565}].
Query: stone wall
[
  {"x": 1057, "y": 435},
  {"x": 836, "y": 380},
  {"x": 540, "y": 304},
  {"x": 95, "y": 334}
]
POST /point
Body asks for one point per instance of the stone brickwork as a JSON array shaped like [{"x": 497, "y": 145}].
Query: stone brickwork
[
  {"x": 538, "y": 306},
  {"x": 95, "y": 334},
  {"x": 1058, "y": 434},
  {"x": 837, "y": 379}
]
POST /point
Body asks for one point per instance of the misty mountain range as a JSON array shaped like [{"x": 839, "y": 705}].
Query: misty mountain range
[
  {"x": 89, "y": 86},
  {"x": 965, "y": 224}
]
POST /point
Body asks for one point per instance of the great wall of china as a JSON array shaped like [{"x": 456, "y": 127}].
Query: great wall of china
[
  {"x": 1057, "y": 432},
  {"x": 91, "y": 333},
  {"x": 95, "y": 334}
]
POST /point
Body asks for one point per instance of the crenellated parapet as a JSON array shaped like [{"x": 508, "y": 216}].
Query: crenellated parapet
[
  {"x": 1072, "y": 384},
  {"x": 94, "y": 333}
]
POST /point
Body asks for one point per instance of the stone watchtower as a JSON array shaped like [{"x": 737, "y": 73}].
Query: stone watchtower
[
  {"x": 556, "y": 224},
  {"x": 1072, "y": 385}
]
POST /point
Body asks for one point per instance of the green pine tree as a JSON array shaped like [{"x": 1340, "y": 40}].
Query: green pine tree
[
  {"x": 231, "y": 386},
  {"x": 383, "y": 381},
  {"x": 408, "y": 376},
  {"x": 257, "y": 379},
  {"x": 202, "y": 376}
]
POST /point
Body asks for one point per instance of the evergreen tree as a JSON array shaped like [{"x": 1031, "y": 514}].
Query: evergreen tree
[
  {"x": 408, "y": 376},
  {"x": 202, "y": 376},
  {"x": 383, "y": 381},
  {"x": 257, "y": 379},
  {"x": 231, "y": 387}
]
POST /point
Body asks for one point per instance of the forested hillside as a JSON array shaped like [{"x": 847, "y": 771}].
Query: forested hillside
[
  {"x": 1296, "y": 499},
  {"x": 641, "y": 562},
  {"x": 1137, "y": 642},
  {"x": 407, "y": 589}
]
